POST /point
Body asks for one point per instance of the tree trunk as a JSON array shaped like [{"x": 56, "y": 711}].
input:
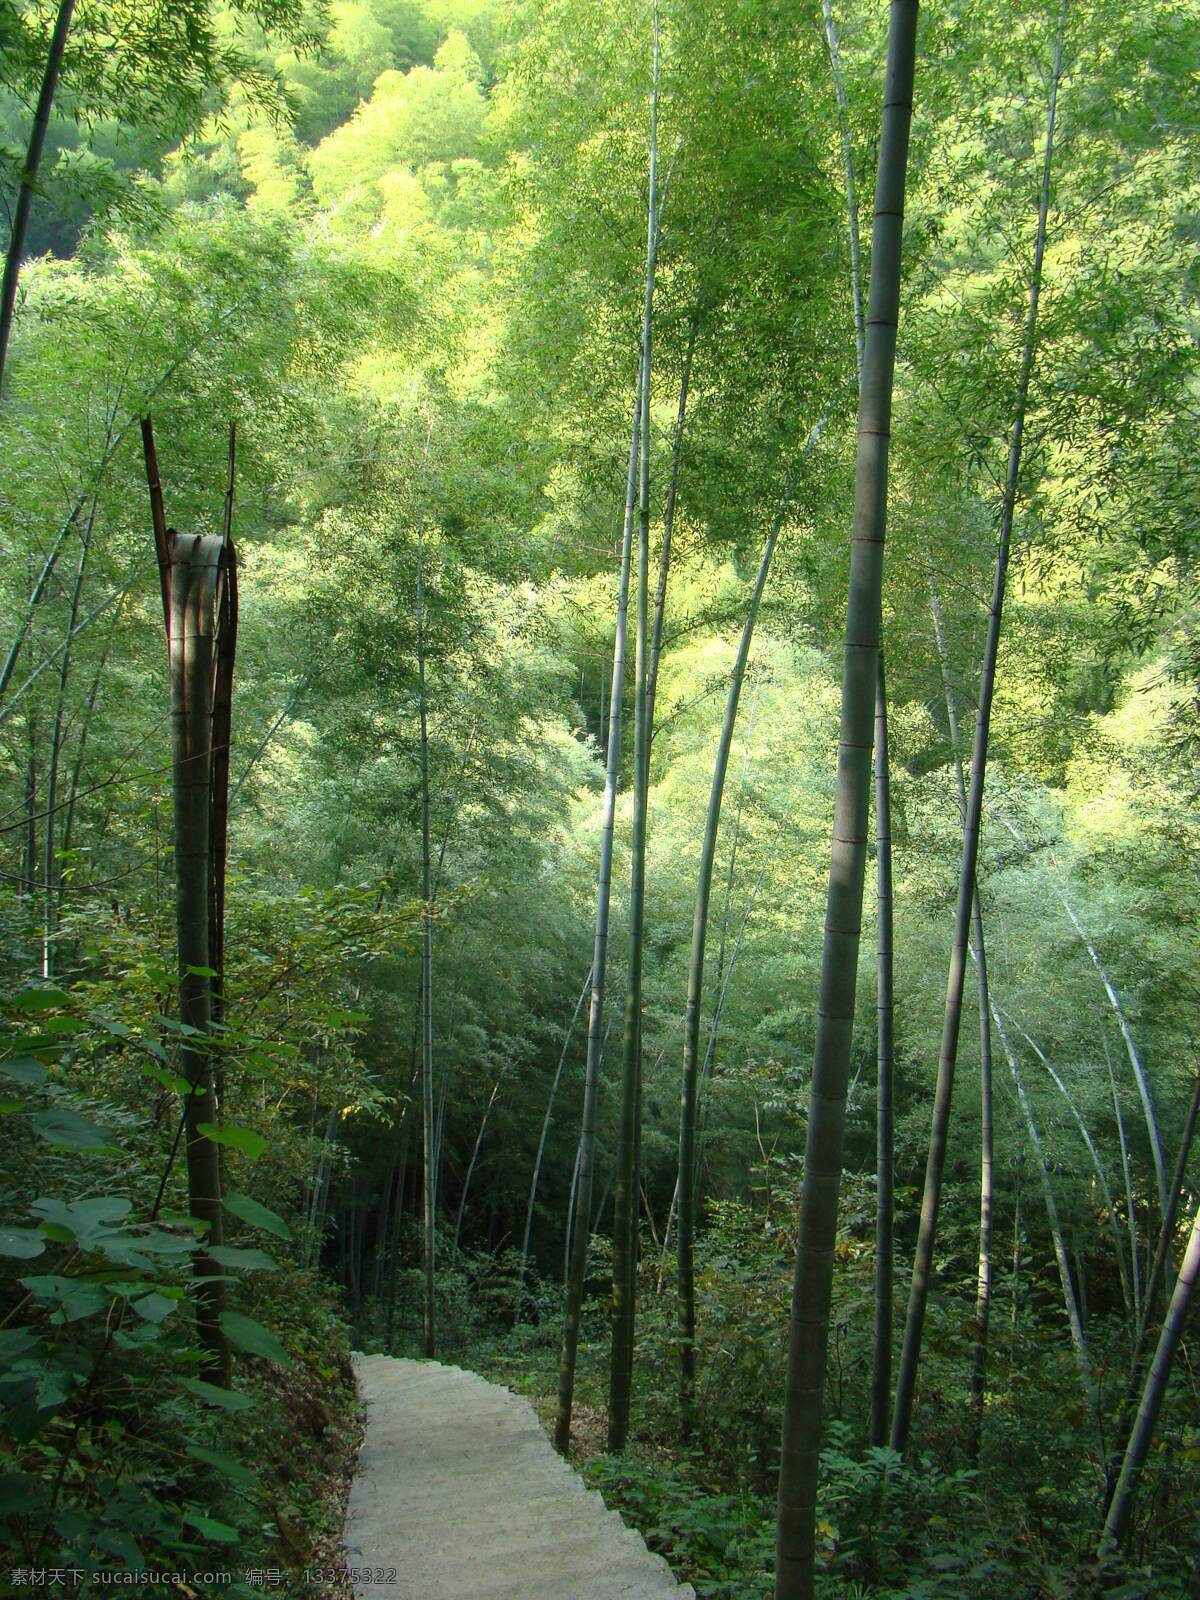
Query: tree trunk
[
  {"x": 625, "y": 1201},
  {"x": 1155, "y": 1276},
  {"x": 1162, "y": 1255},
  {"x": 462, "y": 1200},
  {"x": 29, "y": 872},
  {"x": 51, "y": 876},
  {"x": 429, "y": 1207},
  {"x": 1139, "y": 1072},
  {"x": 935, "y": 1166},
  {"x": 809, "y": 1330},
  {"x": 685, "y": 1238},
  {"x": 1070, "y": 1297},
  {"x": 664, "y": 563},
  {"x": 89, "y": 710},
  {"x": 1097, "y": 1168},
  {"x": 382, "y": 1226},
  {"x": 881, "y": 1367},
  {"x": 571, "y": 1200},
  {"x": 193, "y": 582},
  {"x": 113, "y": 442},
  {"x": 29, "y": 175},
  {"x": 1116, "y": 1525},
  {"x": 541, "y": 1149},
  {"x": 582, "y": 1188},
  {"x": 394, "y": 1252},
  {"x": 1131, "y": 1050},
  {"x": 983, "y": 1289},
  {"x": 1127, "y": 1173}
]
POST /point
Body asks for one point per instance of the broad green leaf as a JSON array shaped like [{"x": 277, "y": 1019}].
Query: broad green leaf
[
  {"x": 227, "y": 1399},
  {"x": 211, "y": 1529},
  {"x": 161, "y": 1243},
  {"x": 70, "y": 1298},
  {"x": 24, "y": 1070},
  {"x": 37, "y": 1044},
  {"x": 53, "y": 1388},
  {"x": 15, "y": 1343},
  {"x": 226, "y": 1255},
  {"x": 154, "y": 1307},
  {"x": 30, "y": 1000},
  {"x": 103, "y": 1208},
  {"x": 63, "y": 1025},
  {"x": 164, "y": 1075},
  {"x": 244, "y": 1139},
  {"x": 258, "y": 1216},
  {"x": 86, "y": 1221},
  {"x": 23, "y": 1243},
  {"x": 253, "y": 1337},
  {"x": 233, "y": 1470},
  {"x": 21, "y": 1494},
  {"x": 67, "y": 1130}
]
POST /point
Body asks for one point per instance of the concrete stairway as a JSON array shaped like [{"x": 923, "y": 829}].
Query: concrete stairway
[{"x": 459, "y": 1491}]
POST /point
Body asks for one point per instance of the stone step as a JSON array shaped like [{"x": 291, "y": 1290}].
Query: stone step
[{"x": 460, "y": 1491}]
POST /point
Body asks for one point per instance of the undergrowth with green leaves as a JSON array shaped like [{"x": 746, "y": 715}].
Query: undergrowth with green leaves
[
  {"x": 115, "y": 1454},
  {"x": 931, "y": 1527}
]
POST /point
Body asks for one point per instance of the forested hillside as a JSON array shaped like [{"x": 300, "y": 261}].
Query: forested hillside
[{"x": 430, "y": 943}]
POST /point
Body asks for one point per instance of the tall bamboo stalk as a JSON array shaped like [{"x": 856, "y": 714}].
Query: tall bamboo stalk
[
  {"x": 983, "y": 1278},
  {"x": 29, "y": 176},
  {"x": 881, "y": 1365},
  {"x": 1070, "y": 1296},
  {"x": 537, "y": 1162},
  {"x": 1131, "y": 1049},
  {"x": 51, "y": 874},
  {"x": 685, "y": 1238},
  {"x": 906, "y": 1381},
  {"x": 1160, "y": 1270},
  {"x": 194, "y": 569},
  {"x": 429, "y": 1188},
  {"x": 1135, "y": 1060},
  {"x": 1135, "y": 1270},
  {"x": 471, "y": 1165},
  {"x": 581, "y": 1188},
  {"x": 809, "y": 1329},
  {"x": 1120, "y": 1511},
  {"x": 625, "y": 1197},
  {"x": 1097, "y": 1166},
  {"x": 664, "y": 561}
]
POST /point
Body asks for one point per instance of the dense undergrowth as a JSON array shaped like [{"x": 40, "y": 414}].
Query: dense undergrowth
[
  {"x": 117, "y": 1456},
  {"x": 1020, "y": 1522}
]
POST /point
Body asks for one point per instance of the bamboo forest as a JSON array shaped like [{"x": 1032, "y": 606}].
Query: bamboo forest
[{"x": 600, "y": 799}]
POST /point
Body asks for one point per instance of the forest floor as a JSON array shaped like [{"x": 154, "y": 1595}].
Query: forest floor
[
  {"x": 460, "y": 1492},
  {"x": 308, "y": 1487}
]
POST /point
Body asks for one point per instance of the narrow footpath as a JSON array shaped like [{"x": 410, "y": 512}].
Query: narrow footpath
[{"x": 459, "y": 1495}]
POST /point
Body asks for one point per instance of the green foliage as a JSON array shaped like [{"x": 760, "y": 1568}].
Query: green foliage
[{"x": 399, "y": 242}]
